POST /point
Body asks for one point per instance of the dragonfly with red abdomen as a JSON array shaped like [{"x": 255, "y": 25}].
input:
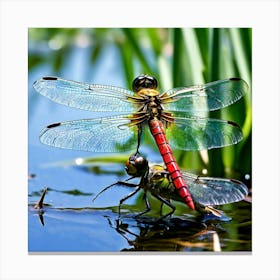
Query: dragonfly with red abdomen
[
  {"x": 171, "y": 115},
  {"x": 155, "y": 179}
]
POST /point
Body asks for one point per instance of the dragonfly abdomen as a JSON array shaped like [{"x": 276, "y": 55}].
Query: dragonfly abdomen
[{"x": 157, "y": 130}]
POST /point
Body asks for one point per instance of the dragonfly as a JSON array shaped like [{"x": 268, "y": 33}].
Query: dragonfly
[
  {"x": 173, "y": 114},
  {"x": 155, "y": 179}
]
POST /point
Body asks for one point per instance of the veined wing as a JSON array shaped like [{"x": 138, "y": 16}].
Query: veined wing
[
  {"x": 111, "y": 134},
  {"x": 214, "y": 191},
  {"x": 202, "y": 133},
  {"x": 208, "y": 97},
  {"x": 92, "y": 97}
]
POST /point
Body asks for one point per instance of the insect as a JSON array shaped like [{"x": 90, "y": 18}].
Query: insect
[
  {"x": 205, "y": 191},
  {"x": 169, "y": 115}
]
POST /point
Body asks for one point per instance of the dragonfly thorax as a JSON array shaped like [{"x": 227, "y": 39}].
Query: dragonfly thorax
[
  {"x": 159, "y": 179},
  {"x": 148, "y": 92},
  {"x": 153, "y": 107}
]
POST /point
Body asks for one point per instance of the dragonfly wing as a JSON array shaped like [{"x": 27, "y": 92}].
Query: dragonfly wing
[
  {"x": 202, "y": 133},
  {"x": 95, "y": 135},
  {"x": 208, "y": 97},
  {"x": 215, "y": 191},
  {"x": 92, "y": 97}
]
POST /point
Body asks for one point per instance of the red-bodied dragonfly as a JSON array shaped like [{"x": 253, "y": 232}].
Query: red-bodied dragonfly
[
  {"x": 169, "y": 115},
  {"x": 205, "y": 191}
]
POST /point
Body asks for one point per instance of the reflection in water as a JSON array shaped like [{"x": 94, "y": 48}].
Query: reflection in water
[
  {"x": 174, "y": 234},
  {"x": 39, "y": 205},
  {"x": 101, "y": 230}
]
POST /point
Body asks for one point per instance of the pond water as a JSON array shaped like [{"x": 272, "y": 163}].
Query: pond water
[{"x": 93, "y": 230}]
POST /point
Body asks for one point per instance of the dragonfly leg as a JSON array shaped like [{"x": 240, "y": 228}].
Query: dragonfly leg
[
  {"x": 138, "y": 139},
  {"x": 147, "y": 205},
  {"x": 121, "y": 183},
  {"x": 161, "y": 206},
  {"x": 137, "y": 189},
  {"x": 168, "y": 203}
]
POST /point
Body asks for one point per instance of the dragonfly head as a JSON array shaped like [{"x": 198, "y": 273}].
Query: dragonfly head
[
  {"x": 143, "y": 82},
  {"x": 136, "y": 166}
]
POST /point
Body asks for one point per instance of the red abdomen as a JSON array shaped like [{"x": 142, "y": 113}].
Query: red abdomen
[{"x": 157, "y": 130}]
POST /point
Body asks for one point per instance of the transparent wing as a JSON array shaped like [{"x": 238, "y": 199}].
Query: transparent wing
[
  {"x": 94, "y": 135},
  {"x": 202, "y": 133},
  {"x": 214, "y": 191},
  {"x": 92, "y": 97},
  {"x": 208, "y": 97}
]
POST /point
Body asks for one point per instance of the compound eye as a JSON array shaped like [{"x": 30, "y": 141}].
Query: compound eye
[
  {"x": 130, "y": 169},
  {"x": 136, "y": 165},
  {"x": 141, "y": 163},
  {"x": 144, "y": 81},
  {"x": 130, "y": 166}
]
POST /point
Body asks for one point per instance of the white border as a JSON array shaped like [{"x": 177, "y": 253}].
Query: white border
[{"x": 17, "y": 16}]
